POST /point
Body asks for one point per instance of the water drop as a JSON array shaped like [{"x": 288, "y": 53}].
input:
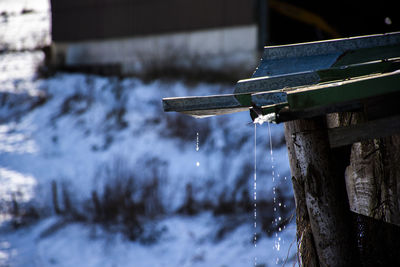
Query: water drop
[
  {"x": 197, "y": 164},
  {"x": 255, "y": 189},
  {"x": 197, "y": 142}
]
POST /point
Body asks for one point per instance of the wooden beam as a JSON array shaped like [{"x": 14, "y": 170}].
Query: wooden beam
[
  {"x": 343, "y": 91},
  {"x": 342, "y": 136},
  {"x": 285, "y": 114}
]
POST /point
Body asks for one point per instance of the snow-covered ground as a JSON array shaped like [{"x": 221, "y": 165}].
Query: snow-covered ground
[
  {"x": 70, "y": 127},
  {"x": 24, "y": 24},
  {"x": 186, "y": 242}
]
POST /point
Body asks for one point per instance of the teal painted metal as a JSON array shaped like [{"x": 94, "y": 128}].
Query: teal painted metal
[
  {"x": 268, "y": 98},
  {"x": 263, "y": 84},
  {"x": 205, "y": 106},
  {"x": 306, "y": 76},
  {"x": 268, "y": 83},
  {"x": 344, "y": 91},
  {"x": 286, "y": 59}
]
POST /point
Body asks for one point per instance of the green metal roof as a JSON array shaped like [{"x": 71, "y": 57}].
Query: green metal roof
[{"x": 308, "y": 79}]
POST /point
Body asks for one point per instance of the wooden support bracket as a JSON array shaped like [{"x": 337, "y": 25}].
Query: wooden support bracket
[{"x": 342, "y": 136}]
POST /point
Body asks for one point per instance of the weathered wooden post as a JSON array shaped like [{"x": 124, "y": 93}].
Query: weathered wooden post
[
  {"x": 339, "y": 102},
  {"x": 321, "y": 212}
]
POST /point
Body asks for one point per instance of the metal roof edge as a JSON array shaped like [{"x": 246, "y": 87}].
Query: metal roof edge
[{"x": 330, "y": 46}]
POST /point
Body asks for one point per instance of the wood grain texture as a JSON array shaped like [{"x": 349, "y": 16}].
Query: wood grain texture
[
  {"x": 341, "y": 136},
  {"x": 316, "y": 193}
]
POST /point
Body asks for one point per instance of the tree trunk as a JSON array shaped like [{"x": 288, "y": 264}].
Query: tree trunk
[{"x": 363, "y": 178}]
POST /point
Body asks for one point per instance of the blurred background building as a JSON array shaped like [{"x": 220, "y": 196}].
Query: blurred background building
[{"x": 125, "y": 35}]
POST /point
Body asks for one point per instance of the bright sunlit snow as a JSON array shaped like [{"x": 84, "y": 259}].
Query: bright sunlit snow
[{"x": 67, "y": 127}]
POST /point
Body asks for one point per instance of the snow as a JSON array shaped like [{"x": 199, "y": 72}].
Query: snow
[
  {"x": 78, "y": 129},
  {"x": 265, "y": 118},
  {"x": 16, "y": 183},
  {"x": 187, "y": 241},
  {"x": 24, "y": 24}
]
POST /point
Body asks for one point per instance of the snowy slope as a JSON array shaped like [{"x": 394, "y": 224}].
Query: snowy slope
[
  {"x": 48, "y": 143},
  {"x": 69, "y": 128},
  {"x": 187, "y": 242},
  {"x": 77, "y": 131}
]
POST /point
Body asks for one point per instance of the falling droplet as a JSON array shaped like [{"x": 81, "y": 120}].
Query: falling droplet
[
  {"x": 255, "y": 190},
  {"x": 197, "y": 142}
]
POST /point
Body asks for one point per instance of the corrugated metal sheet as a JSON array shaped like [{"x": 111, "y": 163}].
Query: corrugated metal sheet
[{"x": 311, "y": 79}]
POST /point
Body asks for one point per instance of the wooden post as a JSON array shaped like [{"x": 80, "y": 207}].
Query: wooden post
[
  {"x": 323, "y": 231},
  {"x": 373, "y": 175},
  {"x": 373, "y": 187},
  {"x": 369, "y": 171}
]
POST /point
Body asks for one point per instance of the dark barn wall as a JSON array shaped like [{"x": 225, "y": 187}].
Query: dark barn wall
[{"x": 102, "y": 19}]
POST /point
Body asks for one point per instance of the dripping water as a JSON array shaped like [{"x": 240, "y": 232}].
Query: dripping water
[
  {"x": 255, "y": 191},
  {"x": 278, "y": 206},
  {"x": 197, "y": 147},
  {"x": 277, "y": 221},
  {"x": 197, "y": 141}
]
